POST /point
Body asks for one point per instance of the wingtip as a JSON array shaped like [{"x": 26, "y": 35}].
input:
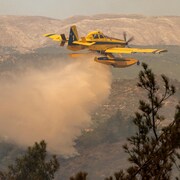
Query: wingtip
[
  {"x": 45, "y": 35},
  {"x": 163, "y": 50},
  {"x": 158, "y": 51}
]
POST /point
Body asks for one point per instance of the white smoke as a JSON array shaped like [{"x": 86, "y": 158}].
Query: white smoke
[{"x": 53, "y": 103}]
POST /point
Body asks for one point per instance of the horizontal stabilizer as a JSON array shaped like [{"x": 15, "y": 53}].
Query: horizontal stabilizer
[
  {"x": 63, "y": 37},
  {"x": 57, "y": 37},
  {"x": 54, "y": 37}
]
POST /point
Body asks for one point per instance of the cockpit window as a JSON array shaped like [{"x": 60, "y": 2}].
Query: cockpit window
[
  {"x": 95, "y": 36},
  {"x": 101, "y": 36}
]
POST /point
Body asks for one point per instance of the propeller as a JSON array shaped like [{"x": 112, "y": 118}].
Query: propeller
[{"x": 125, "y": 39}]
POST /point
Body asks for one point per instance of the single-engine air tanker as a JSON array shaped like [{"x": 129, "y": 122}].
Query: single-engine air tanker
[{"x": 107, "y": 47}]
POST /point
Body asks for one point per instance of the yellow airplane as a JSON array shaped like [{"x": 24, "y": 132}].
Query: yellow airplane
[{"x": 106, "y": 46}]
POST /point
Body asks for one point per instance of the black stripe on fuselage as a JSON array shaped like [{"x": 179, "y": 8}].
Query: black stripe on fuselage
[{"x": 107, "y": 42}]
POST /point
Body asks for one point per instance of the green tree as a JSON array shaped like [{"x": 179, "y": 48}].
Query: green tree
[
  {"x": 153, "y": 149},
  {"x": 33, "y": 165}
]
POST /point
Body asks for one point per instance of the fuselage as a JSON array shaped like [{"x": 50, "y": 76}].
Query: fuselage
[{"x": 101, "y": 42}]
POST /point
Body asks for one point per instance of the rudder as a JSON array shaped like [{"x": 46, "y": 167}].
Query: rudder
[{"x": 73, "y": 35}]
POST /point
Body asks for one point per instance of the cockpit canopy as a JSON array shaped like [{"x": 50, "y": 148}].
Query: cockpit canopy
[{"x": 95, "y": 35}]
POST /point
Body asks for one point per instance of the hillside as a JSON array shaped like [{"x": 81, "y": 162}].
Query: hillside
[
  {"x": 25, "y": 33},
  {"x": 101, "y": 152},
  {"x": 99, "y": 146}
]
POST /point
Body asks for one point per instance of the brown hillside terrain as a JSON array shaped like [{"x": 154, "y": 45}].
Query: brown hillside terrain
[{"x": 25, "y": 33}]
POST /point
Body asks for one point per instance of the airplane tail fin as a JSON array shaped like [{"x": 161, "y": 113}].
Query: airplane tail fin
[{"x": 73, "y": 35}]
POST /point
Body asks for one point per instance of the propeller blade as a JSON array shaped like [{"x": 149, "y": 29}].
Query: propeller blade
[
  {"x": 130, "y": 39},
  {"x": 125, "y": 36},
  {"x": 125, "y": 39}
]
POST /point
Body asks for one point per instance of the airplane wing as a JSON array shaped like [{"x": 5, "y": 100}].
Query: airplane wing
[
  {"x": 83, "y": 43},
  {"x": 54, "y": 37},
  {"x": 133, "y": 50}
]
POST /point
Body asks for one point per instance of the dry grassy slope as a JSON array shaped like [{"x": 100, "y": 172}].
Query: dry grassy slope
[
  {"x": 101, "y": 152},
  {"x": 125, "y": 96},
  {"x": 146, "y": 30},
  {"x": 25, "y": 33},
  {"x": 99, "y": 162}
]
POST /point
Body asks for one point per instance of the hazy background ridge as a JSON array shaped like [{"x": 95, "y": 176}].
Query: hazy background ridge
[{"x": 26, "y": 33}]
